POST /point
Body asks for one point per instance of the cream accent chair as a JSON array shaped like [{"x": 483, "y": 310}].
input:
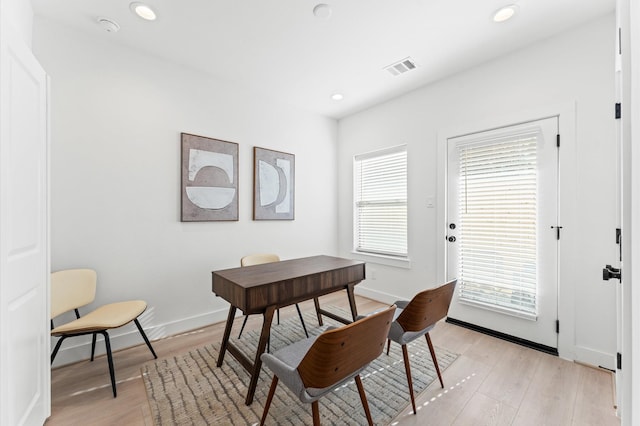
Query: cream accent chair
[
  {"x": 313, "y": 367},
  {"x": 259, "y": 259},
  {"x": 74, "y": 288}
]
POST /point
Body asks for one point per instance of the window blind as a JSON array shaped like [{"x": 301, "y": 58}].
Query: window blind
[
  {"x": 498, "y": 222},
  {"x": 381, "y": 202}
]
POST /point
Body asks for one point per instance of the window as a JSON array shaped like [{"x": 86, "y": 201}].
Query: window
[{"x": 380, "y": 196}]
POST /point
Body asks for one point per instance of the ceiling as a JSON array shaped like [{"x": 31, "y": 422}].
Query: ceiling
[{"x": 279, "y": 48}]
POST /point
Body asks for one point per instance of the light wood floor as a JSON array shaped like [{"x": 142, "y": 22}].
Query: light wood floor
[{"x": 492, "y": 382}]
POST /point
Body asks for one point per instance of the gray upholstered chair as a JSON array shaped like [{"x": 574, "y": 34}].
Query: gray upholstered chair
[
  {"x": 74, "y": 288},
  {"x": 259, "y": 259},
  {"x": 416, "y": 318},
  {"x": 313, "y": 367}
]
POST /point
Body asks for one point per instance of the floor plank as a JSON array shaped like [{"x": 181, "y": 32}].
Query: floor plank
[{"x": 492, "y": 382}]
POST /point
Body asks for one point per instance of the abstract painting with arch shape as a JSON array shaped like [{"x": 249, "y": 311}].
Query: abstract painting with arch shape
[
  {"x": 209, "y": 179},
  {"x": 273, "y": 185}
]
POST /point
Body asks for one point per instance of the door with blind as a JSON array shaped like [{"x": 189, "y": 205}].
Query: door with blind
[{"x": 502, "y": 211}]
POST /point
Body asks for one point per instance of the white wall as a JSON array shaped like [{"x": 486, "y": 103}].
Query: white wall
[
  {"x": 575, "y": 70},
  {"x": 115, "y": 178}
]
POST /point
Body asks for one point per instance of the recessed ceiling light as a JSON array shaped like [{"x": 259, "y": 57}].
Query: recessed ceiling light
[
  {"x": 505, "y": 13},
  {"x": 322, "y": 11},
  {"x": 337, "y": 96},
  {"x": 143, "y": 11}
]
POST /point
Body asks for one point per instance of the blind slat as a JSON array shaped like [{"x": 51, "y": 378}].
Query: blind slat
[
  {"x": 497, "y": 197},
  {"x": 381, "y": 202}
]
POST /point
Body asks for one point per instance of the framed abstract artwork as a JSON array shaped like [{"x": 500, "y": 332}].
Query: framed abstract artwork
[
  {"x": 273, "y": 185},
  {"x": 209, "y": 188}
]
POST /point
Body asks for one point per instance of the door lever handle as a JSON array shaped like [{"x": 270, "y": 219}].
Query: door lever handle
[{"x": 610, "y": 272}]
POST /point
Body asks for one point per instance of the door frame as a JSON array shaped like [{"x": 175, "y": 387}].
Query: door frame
[
  {"x": 538, "y": 329},
  {"x": 16, "y": 51},
  {"x": 627, "y": 14},
  {"x": 567, "y": 211}
]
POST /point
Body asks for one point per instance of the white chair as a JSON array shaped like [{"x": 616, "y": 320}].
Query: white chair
[{"x": 74, "y": 288}]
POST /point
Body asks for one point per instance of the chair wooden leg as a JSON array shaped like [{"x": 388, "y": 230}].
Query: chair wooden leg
[
  {"x": 110, "y": 361},
  {"x": 407, "y": 368},
  {"x": 278, "y": 316},
  {"x": 93, "y": 345},
  {"x": 316, "y": 413},
  {"x": 388, "y": 345},
  {"x": 304, "y": 327},
  {"x": 363, "y": 398},
  {"x": 144, "y": 336},
  {"x": 435, "y": 360},
  {"x": 316, "y": 303},
  {"x": 272, "y": 391},
  {"x": 246, "y": 317}
]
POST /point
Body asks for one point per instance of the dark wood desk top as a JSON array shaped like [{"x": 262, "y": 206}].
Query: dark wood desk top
[{"x": 253, "y": 288}]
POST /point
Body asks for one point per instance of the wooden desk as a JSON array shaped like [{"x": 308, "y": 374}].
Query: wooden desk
[{"x": 267, "y": 287}]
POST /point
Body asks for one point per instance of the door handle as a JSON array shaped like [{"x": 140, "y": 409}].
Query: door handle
[{"x": 610, "y": 272}]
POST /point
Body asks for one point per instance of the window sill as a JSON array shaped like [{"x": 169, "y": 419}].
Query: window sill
[{"x": 380, "y": 259}]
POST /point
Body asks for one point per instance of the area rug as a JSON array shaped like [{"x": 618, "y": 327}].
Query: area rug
[{"x": 190, "y": 390}]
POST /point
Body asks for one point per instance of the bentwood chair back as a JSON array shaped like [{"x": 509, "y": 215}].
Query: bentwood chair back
[
  {"x": 74, "y": 288},
  {"x": 417, "y": 318},
  {"x": 313, "y": 367}
]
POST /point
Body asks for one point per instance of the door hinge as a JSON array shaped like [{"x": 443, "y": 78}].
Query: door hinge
[
  {"x": 558, "y": 228},
  {"x": 618, "y": 110},
  {"x": 558, "y": 141},
  {"x": 619, "y": 361},
  {"x": 619, "y": 241},
  {"x": 558, "y": 326}
]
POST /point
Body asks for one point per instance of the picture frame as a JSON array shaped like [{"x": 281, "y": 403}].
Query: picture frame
[
  {"x": 209, "y": 179},
  {"x": 273, "y": 185}
]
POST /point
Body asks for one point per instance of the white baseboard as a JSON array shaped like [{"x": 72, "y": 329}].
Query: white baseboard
[
  {"x": 79, "y": 348},
  {"x": 376, "y": 295}
]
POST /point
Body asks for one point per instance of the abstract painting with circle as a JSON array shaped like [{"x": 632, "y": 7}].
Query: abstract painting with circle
[
  {"x": 209, "y": 179},
  {"x": 273, "y": 181}
]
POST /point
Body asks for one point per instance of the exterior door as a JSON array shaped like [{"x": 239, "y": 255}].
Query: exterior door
[
  {"x": 24, "y": 243},
  {"x": 502, "y": 200}
]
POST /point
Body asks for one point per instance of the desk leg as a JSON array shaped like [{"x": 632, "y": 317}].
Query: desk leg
[
  {"x": 262, "y": 343},
  {"x": 227, "y": 333},
  {"x": 318, "y": 313},
  {"x": 352, "y": 300}
]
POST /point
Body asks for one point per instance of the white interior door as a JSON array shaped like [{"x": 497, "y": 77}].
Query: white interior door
[
  {"x": 502, "y": 209},
  {"x": 24, "y": 243}
]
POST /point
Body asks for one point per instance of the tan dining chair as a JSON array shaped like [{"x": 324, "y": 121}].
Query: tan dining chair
[
  {"x": 313, "y": 367},
  {"x": 259, "y": 259},
  {"x": 416, "y": 318},
  {"x": 74, "y": 288}
]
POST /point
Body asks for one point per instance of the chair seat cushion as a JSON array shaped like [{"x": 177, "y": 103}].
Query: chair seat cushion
[
  {"x": 284, "y": 364},
  {"x": 398, "y": 334},
  {"x": 109, "y": 316}
]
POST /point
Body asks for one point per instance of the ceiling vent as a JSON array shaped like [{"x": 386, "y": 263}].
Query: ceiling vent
[{"x": 401, "y": 67}]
